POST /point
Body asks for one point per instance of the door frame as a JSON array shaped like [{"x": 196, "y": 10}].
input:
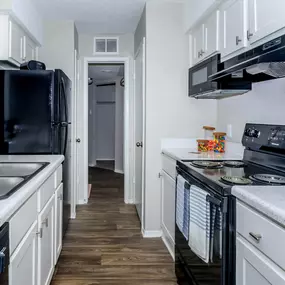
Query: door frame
[
  {"x": 128, "y": 149},
  {"x": 142, "y": 47}
]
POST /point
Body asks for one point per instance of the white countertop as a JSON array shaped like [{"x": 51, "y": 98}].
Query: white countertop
[
  {"x": 192, "y": 154},
  {"x": 9, "y": 206},
  {"x": 269, "y": 200}
]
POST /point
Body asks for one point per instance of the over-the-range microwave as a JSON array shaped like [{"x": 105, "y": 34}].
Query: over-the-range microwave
[{"x": 201, "y": 87}]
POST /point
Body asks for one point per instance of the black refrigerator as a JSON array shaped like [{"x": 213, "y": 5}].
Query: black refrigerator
[{"x": 35, "y": 118}]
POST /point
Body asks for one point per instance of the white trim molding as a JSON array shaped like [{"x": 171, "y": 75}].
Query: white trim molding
[
  {"x": 151, "y": 234},
  {"x": 128, "y": 148},
  {"x": 168, "y": 241}
]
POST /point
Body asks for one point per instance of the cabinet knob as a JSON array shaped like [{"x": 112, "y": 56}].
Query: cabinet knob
[
  {"x": 249, "y": 34},
  {"x": 78, "y": 140},
  {"x": 238, "y": 40},
  {"x": 256, "y": 237}
]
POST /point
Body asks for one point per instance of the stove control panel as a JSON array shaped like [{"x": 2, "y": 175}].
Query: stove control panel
[{"x": 256, "y": 136}]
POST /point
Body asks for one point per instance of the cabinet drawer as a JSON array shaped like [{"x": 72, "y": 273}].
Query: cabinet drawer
[
  {"x": 58, "y": 177},
  {"x": 272, "y": 236},
  {"x": 45, "y": 192},
  {"x": 169, "y": 166},
  {"x": 22, "y": 221}
]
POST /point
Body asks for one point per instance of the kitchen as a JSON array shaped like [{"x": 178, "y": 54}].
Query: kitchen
[{"x": 168, "y": 26}]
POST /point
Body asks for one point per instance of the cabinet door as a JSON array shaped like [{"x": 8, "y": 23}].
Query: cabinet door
[
  {"x": 58, "y": 221},
  {"x": 29, "y": 52},
  {"x": 212, "y": 34},
  {"x": 252, "y": 267},
  {"x": 46, "y": 244},
  {"x": 168, "y": 208},
  {"x": 198, "y": 44},
  {"x": 265, "y": 17},
  {"x": 234, "y": 27},
  {"x": 15, "y": 43},
  {"x": 23, "y": 263}
]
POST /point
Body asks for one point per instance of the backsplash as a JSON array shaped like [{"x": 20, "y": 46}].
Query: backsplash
[{"x": 264, "y": 105}]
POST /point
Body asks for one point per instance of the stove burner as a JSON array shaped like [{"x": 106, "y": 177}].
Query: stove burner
[
  {"x": 270, "y": 178},
  {"x": 235, "y": 164},
  {"x": 236, "y": 180},
  {"x": 208, "y": 164}
]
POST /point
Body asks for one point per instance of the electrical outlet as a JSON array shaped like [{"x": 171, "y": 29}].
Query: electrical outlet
[{"x": 229, "y": 131}]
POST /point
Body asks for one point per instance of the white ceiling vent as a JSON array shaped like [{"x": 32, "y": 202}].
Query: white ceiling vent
[{"x": 106, "y": 45}]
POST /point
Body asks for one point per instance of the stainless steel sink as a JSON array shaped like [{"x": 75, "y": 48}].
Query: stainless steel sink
[
  {"x": 19, "y": 169},
  {"x": 13, "y": 175},
  {"x": 8, "y": 185}
]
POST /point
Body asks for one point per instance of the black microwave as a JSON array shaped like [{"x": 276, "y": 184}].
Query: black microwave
[{"x": 202, "y": 87}]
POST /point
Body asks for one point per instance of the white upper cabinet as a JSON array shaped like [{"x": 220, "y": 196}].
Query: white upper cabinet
[
  {"x": 205, "y": 38},
  {"x": 16, "y": 39},
  {"x": 198, "y": 44},
  {"x": 212, "y": 34},
  {"x": 265, "y": 18},
  {"x": 194, "y": 10},
  {"x": 16, "y": 46},
  {"x": 233, "y": 26}
]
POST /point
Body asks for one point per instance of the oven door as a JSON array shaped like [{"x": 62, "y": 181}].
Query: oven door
[
  {"x": 189, "y": 267},
  {"x": 199, "y": 74}
]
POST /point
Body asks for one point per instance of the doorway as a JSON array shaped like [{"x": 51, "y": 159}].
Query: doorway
[
  {"x": 106, "y": 116},
  {"x": 127, "y": 133}
]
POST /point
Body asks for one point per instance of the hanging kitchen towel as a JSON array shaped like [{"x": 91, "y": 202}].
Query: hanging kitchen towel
[
  {"x": 200, "y": 223},
  {"x": 180, "y": 202},
  {"x": 186, "y": 210}
]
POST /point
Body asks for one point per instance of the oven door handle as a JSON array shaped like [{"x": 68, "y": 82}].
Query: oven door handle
[{"x": 214, "y": 200}]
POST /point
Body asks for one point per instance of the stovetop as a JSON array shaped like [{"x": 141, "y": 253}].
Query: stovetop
[{"x": 214, "y": 176}]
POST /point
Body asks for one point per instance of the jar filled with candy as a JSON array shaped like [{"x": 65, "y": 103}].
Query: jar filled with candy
[
  {"x": 203, "y": 145},
  {"x": 219, "y": 142}
]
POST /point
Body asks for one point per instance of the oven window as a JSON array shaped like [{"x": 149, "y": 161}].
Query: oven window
[{"x": 200, "y": 76}]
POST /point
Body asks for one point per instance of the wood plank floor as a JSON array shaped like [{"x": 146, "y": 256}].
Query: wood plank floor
[{"x": 104, "y": 244}]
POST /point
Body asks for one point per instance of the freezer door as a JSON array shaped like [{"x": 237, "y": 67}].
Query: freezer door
[{"x": 28, "y": 111}]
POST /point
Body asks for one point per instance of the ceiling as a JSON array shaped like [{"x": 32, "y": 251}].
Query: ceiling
[
  {"x": 105, "y": 72},
  {"x": 95, "y": 16}
]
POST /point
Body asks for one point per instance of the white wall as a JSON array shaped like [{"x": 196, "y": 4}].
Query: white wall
[
  {"x": 27, "y": 15},
  {"x": 119, "y": 134},
  {"x": 169, "y": 111},
  {"x": 264, "y": 104}
]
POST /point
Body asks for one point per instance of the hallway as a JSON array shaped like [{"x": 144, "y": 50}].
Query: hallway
[{"x": 104, "y": 244}]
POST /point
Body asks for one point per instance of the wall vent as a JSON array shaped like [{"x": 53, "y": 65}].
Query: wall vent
[{"x": 106, "y": 45}]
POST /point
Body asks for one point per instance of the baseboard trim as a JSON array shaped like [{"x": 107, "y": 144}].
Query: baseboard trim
[
  {"x": 119, "y": 171},
  {"x": 73, "y": 216},
  {"x": 151, "y": 234},
  {"x": 168, "y": 241},
  {"x": 129, "y": 201},
  {"x": 82, "y": 202},
  {"x": 105, "y": 159}
]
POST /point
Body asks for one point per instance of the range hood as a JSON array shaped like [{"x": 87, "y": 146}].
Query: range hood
[{"x": 262, "y": 63}]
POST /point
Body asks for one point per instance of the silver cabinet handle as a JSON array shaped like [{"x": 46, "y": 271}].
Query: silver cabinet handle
[
  {"x": 40, "y": 233},
  {"x": 238, "y": 40},
  {"x": 256, "y": 237},
  {"x": 45, "y": 222},
  {"x": 249, "y": 34},
  {"x": 139, "y": 144},
  {"x": 78, "y": 140}
]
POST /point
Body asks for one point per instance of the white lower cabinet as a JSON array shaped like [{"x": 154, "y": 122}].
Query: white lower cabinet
[
  {"x": 58, "y": 221},
  {"x": 168, "y": 211},
  {"x": 23, "y": 263},
  {"x": 253, "y": 267},
  {"x": 46, "y": 243}
]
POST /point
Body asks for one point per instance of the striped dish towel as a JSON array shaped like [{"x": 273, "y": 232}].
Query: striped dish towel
[
  {"x": 200, "y": 223},
  {"x": 180, "y": 202}
]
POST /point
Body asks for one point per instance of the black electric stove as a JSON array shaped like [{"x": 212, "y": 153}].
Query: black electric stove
[{"x": 263, "y": 164}]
